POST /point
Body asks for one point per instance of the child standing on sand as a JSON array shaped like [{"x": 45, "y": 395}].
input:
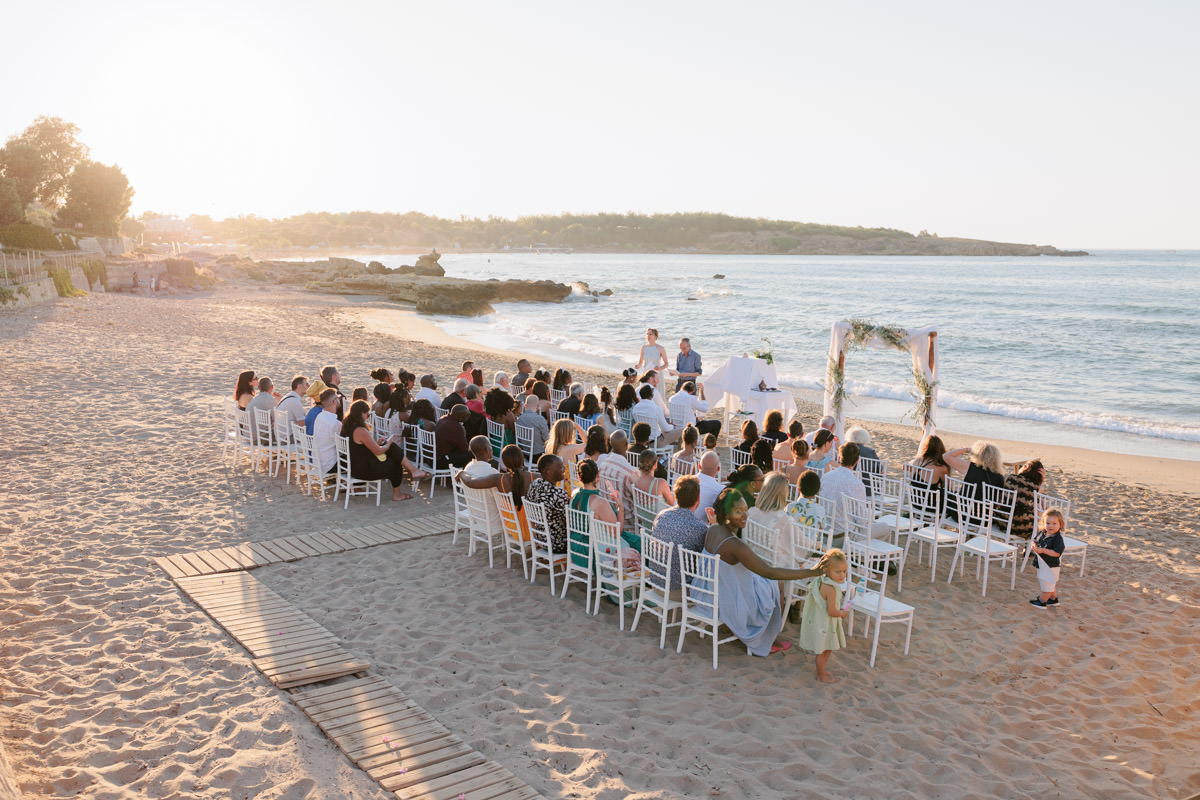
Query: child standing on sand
[
  {"x": 821, "y": 623},
  {"x": 1048, "y": 546}
]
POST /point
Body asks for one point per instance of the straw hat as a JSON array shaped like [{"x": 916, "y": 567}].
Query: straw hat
[{"x": 315, "y": 389}]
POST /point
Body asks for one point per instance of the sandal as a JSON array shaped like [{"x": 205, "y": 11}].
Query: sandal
[
  {"x": 781, "y": 648},
  {"x": 403, "y": 496},
  {"x": 418, "y": 476}
]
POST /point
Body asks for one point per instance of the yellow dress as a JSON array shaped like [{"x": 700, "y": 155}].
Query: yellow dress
[{"x": 819, "y": 631}]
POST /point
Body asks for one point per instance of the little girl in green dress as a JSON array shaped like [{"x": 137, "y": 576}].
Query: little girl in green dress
[{"x": 821, "y": 624}]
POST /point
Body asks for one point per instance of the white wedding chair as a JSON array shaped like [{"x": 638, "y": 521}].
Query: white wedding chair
[
  {"x": 352, "y": 486},
  {"x": 977, "y": 538},
  {"x": 655, "y": 596},
  {"x": 612, "y": 579},
  {"x": 701, "y": 598},
  {"x": 541, "y": 551},
  {"x": 870, "y": 599}
]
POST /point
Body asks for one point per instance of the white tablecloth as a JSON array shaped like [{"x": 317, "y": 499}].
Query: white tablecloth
[
  {"x": 734, "y": 385},
  {"x": 760, "y": 403}
]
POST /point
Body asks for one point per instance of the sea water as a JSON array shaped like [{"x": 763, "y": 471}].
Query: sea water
[{"x": 1100, "y": 351}]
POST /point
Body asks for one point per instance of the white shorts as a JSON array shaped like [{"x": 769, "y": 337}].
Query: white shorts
[{"x": 1047, "y": 576}]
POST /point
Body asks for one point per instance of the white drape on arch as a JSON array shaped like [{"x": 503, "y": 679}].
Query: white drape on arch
[{"x": 922, "y": 346}]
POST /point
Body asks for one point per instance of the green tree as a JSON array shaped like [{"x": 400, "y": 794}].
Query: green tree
[
  {"x": 61, "y": 152},
  {"x": 22, "y": 163},
  {"x": 11, "y": 208},
  {"x": 97, "y": 196}
]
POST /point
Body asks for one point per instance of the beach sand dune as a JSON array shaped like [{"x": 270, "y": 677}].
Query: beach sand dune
[{"x": 117, "y": 686}]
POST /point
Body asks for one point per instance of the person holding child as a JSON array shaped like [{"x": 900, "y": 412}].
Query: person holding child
[
  {"x": 821, "y": 629},
  {"x": 1048, "y": 546}
]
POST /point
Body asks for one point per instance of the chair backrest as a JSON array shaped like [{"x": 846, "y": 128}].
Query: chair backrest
[
  {"x": 482, "y": 509},
  {"x": 680, "y": 466},
  {"x": 762, "y": 539},
  {"x": 606, "y": 542},
  {"x": 646, "y": 507},
  {"x": 857, "y": 516},
  {"x": 579, "y": 532},
  {"x": 738, "y": 458},
  {"x": 508, "y": 516},
  {"x": 343, "y": 455},
  {"x": 807, "y": 540},
  {"x": 632, "y": 457},
  {"x": 625, "y": 421},
  {"x": 264, "y": 426},
  {"x": 915, "y": 474},
  {"x": 379, "y": 426},
  {"x": 886, "y": 492},
  {"x": 780, "y": 464},
  {"x": 1041, "y": 502},
  {"x": 539, "y": 527},
  {"x": 656, "y": 560},
  {"x": 956, "y": 485},
  {"x": 495, "y": 433},
  {"x": 679, "y": 414},
  {"x": 557, "y": 396},
  {"x": 426, "y": 450},
  {"x": 700, "y": 582},
  {"x": 974, "y": 516},
  {"x": 639, "y": 416},
  {"x": 309, "y": 457},
  {"x": 872, "y": 466},
  {"x": 283, "y": 429},
  {"x": 922, "y": 504},
  {"x": 460, "y": 491},
  {"x": 1004, "y": 503},
  {"x": 555, "y": 416},
  {"x": 583, "y": 422},
  {"x": 868, "y": 575},
  {"x": 525, "y": 439}
]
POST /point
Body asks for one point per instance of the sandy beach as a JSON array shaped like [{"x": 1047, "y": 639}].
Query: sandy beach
[{"x": 116, "y": 686}]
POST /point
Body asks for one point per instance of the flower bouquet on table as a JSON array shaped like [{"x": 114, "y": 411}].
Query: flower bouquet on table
[{"x": 766, "y": 353}]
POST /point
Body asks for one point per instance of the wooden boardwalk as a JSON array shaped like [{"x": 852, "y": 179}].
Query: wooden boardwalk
[
  {"x": 380, "y": 729},
  {"x": 249, "y": 555}
]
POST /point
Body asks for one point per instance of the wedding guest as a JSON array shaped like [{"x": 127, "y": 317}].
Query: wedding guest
[
  {"x": 681, "y": 526},
  {"x": 532, "y": 418},
  {"x": 660, "y": 430},
  {"x": 783, "y": 450},
  {"x": 651, "y": 379},
  {"x": 383, "y": 393},
  {"x": 500, "y": 407},
  {"x": 826, "y": 424},
  {"x": 760, "y": 455},
  {"x": 266, "y": 400},
  {"x": 545, "y": 490},
  {"x": 642, "y": 442},
  {"x": 399, "y": 403},
  {"x": 292, "y": 403},
  {"x": 615, "y": 469},
  {"x": 773, "y": 427},
  {"x": 562, "y": 440},
  {"x": 710, "y": 484},
  {"x": 861, "y": 437},
  {"x": 326, "y": 428},
  {"x": 686, "y": 455},
  {"x": 626, "y": 399},
  {"x": 501, "y": 381},
  {"x": 770, "y": 511},
  {"x": 689, "y": 404},
  {"x": 474, "y": 399},
  {"x": 524, "y": 370},
  {"x": 243, "y": 391},
  {"x": 457, "y": 395},
  {"x": 573, "y": 402},
  {"x": 514, "y": 481},
  {"x": 932, "y": 455},
  {"x": 799, "y": 460},
  {"x": 360, "y": 393},
  {"x": 749, "y": 436},
  {"x": 315, "y": 390},
  {"x": 465, "y": 375},
  {"x": 822, "y": 452},
  {"x": 562, "y": 380},
  {"x": 1027, "y": 480},
  {"x": 423, "y": 415},
  {"x": 648, "y": 482},
  {"x": 451, "y": 438},
  {"x": 428, "y": 391},
  {"x": 477, "y": 377},
  {"x": 842, "y": 482},
  {"x": 748, "y": 480},
  {"x": 383, "y": 375},
  {"x": 370, "y": 461},
  {"x": 333, "y": 379}
]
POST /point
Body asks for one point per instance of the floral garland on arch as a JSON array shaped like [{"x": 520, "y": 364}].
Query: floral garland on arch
[{"x": 861, "y": 333}]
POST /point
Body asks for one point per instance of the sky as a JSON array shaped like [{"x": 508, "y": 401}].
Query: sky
[{"x": 1046, "y": 122}]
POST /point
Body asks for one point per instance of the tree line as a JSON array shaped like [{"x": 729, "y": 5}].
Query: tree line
[{"x": 47, "y": 179}]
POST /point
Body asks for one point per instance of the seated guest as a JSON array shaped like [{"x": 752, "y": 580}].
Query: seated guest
[
  {"x": 680, "y": 525},
  {"x": 773, "y": 427},
  {"x": 315, "y": 390},
  {"x": 842, "y": 482},
  {"x": 292, "y": 403},
  {"x": 1027, "y": 480},
  {"x": 821, "y": 454},
  {"x": 451, "y": 438},
  {"x": 770, "y": 511},
  {"x": 932, "y": 455},
  {"x": 661, "y": 431},
  {"x": 749, "y": 436},
  {"x": 333, "y": 379},
  {"x": 562, "y": 441},
  {"x": 500, "y": 381},
  {"x": 326, "y": 429},
  {"x": 562, "y": 381},
  {"x": 626, "y": 399},
  {"x": 474, "y": 398},
  {"x": 542, "y": 375},
  {"x": 514, "y": 481},
  {"x": 423, "y": 415},
  {"x": 500, "y": 407},
  {"x": 748, "y": 480},
  {"x": 383, "y": 393},
  {"x": 710, "y": 441},
  {"x": 596, "y": 443},
  {"x": 399, "y": 404},
  {"x": 477, "y": 377},
  {"x": 983, "y": 466},
  {"x": 826, "y": 424},
  {"x": 760, "y": 455},
  {"x": 689, "y": 404},
  {"x": 360, "y": 393},
  {"x": 751, "y": 595},
  {"x": 616, "y": 469},
  {"x": 531, "y": 418},
  {"x": 573, "y": 402},
  {"x": 806, "y": 509},
  {"x": 648, "y": 482},
  {"x": 783, "y": 450},
  {"x": 861, "y": 437},
  {"x": 406, "y": 379},
  {"x": 467, "y": 368},
  {"x": 595, "y": 415},
  {"x": 710, "y": 484},
  {"x": 589, "y": 498},
  {"x": 545, "y": 489},
  {"x": 369, "y": 461},
  {"x": 629, "y": 377},
  {"x": 456, "y": 397},
  {"x": 266, "y": 400},
  {"x": 524, "y": 370},
  {"x": 799, "y": 463},
  {"x": 383, "y": 375},
  {"x": 686, "y": 455},
  {"x": 641, "y": 443},
  {"x": 651, "y": 379},
  {"x": 541, "y": 390},
  {"x": 428, "y": 391},
  {"x": 243, "y": 391}
]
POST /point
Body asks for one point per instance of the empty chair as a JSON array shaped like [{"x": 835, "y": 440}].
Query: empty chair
[
  {"x": 924, "y": 508},
  {"x": 871, "y": 600},
  {"x": 888, "y": 496},
  {"x": 977, "y": 538},
  {"x": 229, "y": 429},
  {"x": 352, "y": 486},
  {"x": 700, "y": 598},
  {"x": 859, "y": 521},
  {"x": 310, "y": 473},
  {"x": 807, "y": 543},
  {"x": 514, "y": 535},
  {"x": 612, "y": 578},
  {"x": 579, "y": 553},
  {"x": 541, "y": 551},
  {"x": 657, "y": 596},
  {"x": 1073, "y": 546}
]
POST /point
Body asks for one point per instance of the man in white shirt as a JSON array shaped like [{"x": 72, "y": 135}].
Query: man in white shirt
[
  {"x": 651, "y": 379},
  {"x": 481, "y": 467},
  {"x": 615, "y": 468},
  {"x": 325, "y": 428},
  {"x": 841, "y": 482},
  {"x": 660, "y": 429},
  {"x": 689, "y": 403},
  {"x": 266, "y": 400},
  {"x": 710, "y": 485},
  {"x": 426, "y": 392},
  {"x": 292, "y": 403}
]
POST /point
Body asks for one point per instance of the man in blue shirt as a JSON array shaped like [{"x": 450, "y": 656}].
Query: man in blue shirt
[{"x": 687, "y": 364}]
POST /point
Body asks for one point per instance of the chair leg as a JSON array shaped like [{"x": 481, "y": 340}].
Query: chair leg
[
  {"x": 1082, "y": 561},
  {"x": 875, "y": 643}
]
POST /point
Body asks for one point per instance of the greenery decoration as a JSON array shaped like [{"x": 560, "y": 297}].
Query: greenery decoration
[
  {"x": 860, "y": 334},
  {"x": 766, "y": 353},
  {"x": 920, "y": 413}
]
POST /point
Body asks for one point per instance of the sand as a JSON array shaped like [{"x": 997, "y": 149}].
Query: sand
[{"x": 116, "y": 686}]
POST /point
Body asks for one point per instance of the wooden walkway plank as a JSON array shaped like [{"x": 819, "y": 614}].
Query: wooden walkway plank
[
  {"x": 183, "y": 566},
  {"x": 382, "y": 740},
  {"x": 415, "y": 775},
  {"x": 409, "y": 715},
  {"x": 422, "y": 748},
  {"x": 166, "y": 566},
  {"x": 219, "y": 554},
  {"x": 523, "y": 792},
  {"x": 262, "y": 556},
  {"x": 273, "y": 551},
  {"x": 276, "y": 646},
  {"x": 284, "y": 546},
  {"x": 319, "y": 544},
  {"x": 360, "y": 539},
  {"x": 300, "y": 678},
  {"x": 321, "y": 713},
  {"x": 410, "y": 758},
  {"x": 374, "y": 534},
  {"x": 467, "y": 781},
  {"x": 307, "y": 698},
  {"x": 301, "y": 543}
]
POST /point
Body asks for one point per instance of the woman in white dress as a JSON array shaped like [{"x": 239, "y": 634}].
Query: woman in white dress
[{"x": 653, "y": 355}]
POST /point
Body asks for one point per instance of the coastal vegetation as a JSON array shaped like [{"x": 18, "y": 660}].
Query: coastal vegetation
[{"x": 629, "y": 232}]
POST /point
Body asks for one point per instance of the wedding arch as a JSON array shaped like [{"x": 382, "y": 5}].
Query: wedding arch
[{"x": 858, "y": 334}]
